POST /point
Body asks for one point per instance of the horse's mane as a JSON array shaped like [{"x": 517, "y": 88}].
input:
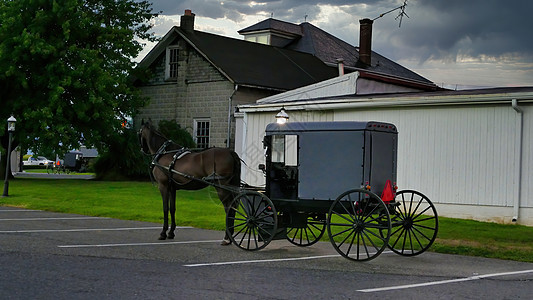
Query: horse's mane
[{"x": 171, "y": 146}]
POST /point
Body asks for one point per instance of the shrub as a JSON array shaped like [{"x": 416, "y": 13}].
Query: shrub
[
  {"x": 172, "y": 130},
  {"x": 122, "y": 160}
]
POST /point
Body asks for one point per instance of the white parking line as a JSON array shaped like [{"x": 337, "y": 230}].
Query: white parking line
[
  {"x": 260, "y": 261},
  {"x": 48, "y": 219},
  {"x": 80, "y": 229},
  {"x": 137, "y": 244},
  {"x": 267, "y": 260},
  {"x": 408, "y": 286}
]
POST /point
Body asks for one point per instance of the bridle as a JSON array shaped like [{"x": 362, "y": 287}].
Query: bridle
[{"x": 141, "y": 143}]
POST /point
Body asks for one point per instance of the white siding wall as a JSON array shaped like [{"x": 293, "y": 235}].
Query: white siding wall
[
  {"x": 464, "y": 158},
  {"x": 527, "y": 158}
]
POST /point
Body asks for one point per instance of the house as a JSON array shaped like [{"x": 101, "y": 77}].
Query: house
[
  {"x": 470, "y": 151},
  {"x": 198, "y": 78}
]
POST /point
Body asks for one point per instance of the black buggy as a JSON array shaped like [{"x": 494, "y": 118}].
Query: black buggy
[
  {"x": 74, "y": 161},
  {"x": 338, "y": 177}
]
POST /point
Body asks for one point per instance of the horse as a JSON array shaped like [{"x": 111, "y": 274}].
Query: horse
[{"x": 176, "y": 168}]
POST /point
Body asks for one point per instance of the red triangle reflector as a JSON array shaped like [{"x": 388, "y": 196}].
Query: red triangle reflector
[{"x": 388, "y": 193}]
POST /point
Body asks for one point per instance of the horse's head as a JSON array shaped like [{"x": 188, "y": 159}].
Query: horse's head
[{"x": 144, "y": 136}]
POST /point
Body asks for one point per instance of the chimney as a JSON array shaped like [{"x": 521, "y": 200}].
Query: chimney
[
  {"x": 187, "y": 21},
  {"x": 365, "y": 41}
]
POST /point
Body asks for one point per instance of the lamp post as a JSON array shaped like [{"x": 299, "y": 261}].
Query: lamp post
[
  {"x": 10, "y": 129},
  {"x": 282, "y": 117}
]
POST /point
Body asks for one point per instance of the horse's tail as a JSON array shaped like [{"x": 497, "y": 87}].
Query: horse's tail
[{"x": 236, "y": 177}]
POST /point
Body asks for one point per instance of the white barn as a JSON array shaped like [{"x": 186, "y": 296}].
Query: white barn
[{"x": 470, "y": 151}]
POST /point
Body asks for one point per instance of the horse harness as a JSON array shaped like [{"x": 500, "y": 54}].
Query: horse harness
[{"x": 178, "y": 154}]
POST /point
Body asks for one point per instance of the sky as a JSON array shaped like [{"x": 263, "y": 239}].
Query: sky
[{"x": 454, "y": 43}]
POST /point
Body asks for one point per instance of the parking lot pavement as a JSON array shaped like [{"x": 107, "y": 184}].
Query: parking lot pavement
[{"x": 109, "y": 258}]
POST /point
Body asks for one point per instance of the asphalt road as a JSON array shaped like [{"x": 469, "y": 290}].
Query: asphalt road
[{"x": 62, "y": 256}]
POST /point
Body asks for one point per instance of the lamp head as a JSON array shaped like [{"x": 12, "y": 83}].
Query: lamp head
[
  {"x": 282, "y": 117},
  {"x": 11, "y": 124}
]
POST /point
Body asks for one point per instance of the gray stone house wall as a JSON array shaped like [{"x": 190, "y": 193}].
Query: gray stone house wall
[{"x": 200, "y": 92}]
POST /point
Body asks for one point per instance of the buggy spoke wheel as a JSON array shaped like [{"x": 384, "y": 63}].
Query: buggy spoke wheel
[
  {"x": 415, "y": 223},
  {"x": 359, "y": 225},
  {"x": 252, "y": 221},
  {"x": 310, "y": 234}
]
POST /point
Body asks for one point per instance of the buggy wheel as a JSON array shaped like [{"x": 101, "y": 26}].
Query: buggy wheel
[
  {"x": 251, "y": 221},
  {"x": 359, "y": 225},
  {"x": 415, "y": 223},
  {"x": 310, "y": 233}
]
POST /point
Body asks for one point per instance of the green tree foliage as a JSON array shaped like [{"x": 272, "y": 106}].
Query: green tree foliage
[
  {"x": 172, "y": 130},
  {"x": 65, "y": 67},
  {"x": 123, "y": 159}
]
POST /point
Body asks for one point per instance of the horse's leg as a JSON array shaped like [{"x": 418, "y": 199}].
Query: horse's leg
[
  {"x": 226, "y": 197},
  {"x": 172, "y": 200},
  {"x": 230, "y": 213},
  {"x": 165, "y": 195}
]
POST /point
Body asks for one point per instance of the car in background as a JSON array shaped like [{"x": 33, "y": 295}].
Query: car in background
[{"x": 37, "y": 161}]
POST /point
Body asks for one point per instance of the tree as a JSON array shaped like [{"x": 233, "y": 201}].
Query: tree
[
  {"x": 65, "y": 68},
  {"x": 123, "y": 159}
]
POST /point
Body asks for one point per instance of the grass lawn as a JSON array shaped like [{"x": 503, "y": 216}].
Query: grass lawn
[
  {"x": 122, "y": 200},
  {"x": 44, "y": 170},
  {"x": 202, "y": 209}
]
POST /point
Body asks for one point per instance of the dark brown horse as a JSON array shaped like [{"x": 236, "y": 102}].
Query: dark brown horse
[{"x": 174, "y": 168}]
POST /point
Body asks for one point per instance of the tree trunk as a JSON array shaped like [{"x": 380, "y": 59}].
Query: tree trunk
[{"x": 3, "y": 165}]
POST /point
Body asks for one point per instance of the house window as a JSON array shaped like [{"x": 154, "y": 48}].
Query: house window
[
  {"x": 171, "y": 70},
  {"x": 201, "y": 133}
]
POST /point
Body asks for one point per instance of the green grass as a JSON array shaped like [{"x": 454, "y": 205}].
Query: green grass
[
  {"x": 44, "y": 170},
  {"x": 122, "y": 200},
  {"x": 202, "y": 209},
  {"x": 467, "y": 237}
]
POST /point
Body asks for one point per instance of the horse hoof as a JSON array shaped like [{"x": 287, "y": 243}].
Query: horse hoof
[
  {"x": 225, "y": 242},
  {"x": 162, "y": 238},
  {"x": 170, "y": 237}
]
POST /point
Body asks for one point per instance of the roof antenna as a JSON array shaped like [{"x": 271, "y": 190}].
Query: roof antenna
[
  {"x": 305, "y": 18},
  {"x": 400, "y": 14},
  {"x": 271, "y": 15}
]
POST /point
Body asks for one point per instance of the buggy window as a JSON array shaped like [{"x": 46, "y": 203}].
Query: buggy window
[
  {"x": 278, "y": 148},
  {"x": 291, "y": 150},
  {"x": 285, "y": 149}
]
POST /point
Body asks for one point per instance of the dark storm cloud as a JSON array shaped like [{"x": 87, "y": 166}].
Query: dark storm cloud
[
  {"x": 281, "y": 9},
  {"x": 445, "y": 29},
  {"x": 436, "y": 29}
]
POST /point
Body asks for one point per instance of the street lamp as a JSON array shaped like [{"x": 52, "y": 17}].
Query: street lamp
[
  {"x": 282, "y": 117},
  {"x": 10, "y": 129}
]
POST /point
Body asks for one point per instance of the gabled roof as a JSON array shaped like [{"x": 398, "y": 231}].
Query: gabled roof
[
  {"x": 329, "y": 48},
  {"x": 273, "y": 25},
  {"x": 247, "y": 63}
]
